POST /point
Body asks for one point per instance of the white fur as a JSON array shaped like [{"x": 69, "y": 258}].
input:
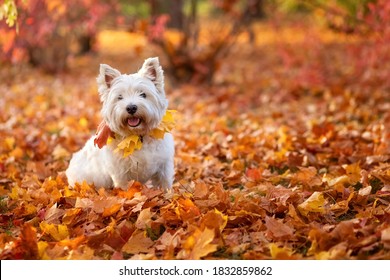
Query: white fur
[{"x": 106, "y": 168}]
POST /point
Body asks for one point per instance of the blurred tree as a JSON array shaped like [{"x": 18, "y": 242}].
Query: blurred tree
[
  {"x": 48, "y": 28},
  {"x": 194, "y": 52},
  {"x": 340, "y": 15}
]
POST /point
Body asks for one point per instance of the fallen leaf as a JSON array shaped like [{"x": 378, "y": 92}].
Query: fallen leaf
[
  {"x": 109, "y": 211},
  {"x": 277, "y": 230},
  {"x": 138, "y": 243},
  {"x": 280, "y": 253},
  {"x": 144, "y": 219},
  {"x": 199, "y": 244},
  {"x": 315, "y": 203},
  {"x": 57, "y": 232}
]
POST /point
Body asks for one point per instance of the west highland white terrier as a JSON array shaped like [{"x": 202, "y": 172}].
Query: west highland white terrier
[{"x": 133, "y": 141}]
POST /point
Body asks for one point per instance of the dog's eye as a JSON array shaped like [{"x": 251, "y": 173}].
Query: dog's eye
[
  {"x": 120, "y": 97},
  {"x": 143, "y": 95}
]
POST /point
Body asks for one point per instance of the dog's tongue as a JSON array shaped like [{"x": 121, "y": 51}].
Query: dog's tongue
[{"x": 133, "y": 121}]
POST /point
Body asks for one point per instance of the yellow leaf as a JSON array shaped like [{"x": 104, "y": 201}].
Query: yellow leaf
[
  {"x": 134, "y": 142},
  {"x": 129, "y": 145},
  {"x": 29, "y": 209},
  {"x": 168, "y": 117},
  {"x": 83, "y": 122},
  {"x": 315, "y": 203},
  {"x": 10, "y": 142},
  {"x": 278, "y": 253},
  {"x": 157, "y": 133},
  {"x": 70, "y": 193},
  {"x": 323, "y": 255},
  {"x": 42, "y": 246},
  {"x": 166, "y": 125},
  {"x": 58, "y": 232},
  {"x": 14, "y": 193}
]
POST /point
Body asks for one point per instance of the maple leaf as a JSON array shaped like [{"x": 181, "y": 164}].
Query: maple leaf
[
  {"x": 198, "y": 245},
  {"x": 214, "y": 219},
  {"x": 277, "y": 230},
  {"x": 57, "y": 232},
  {"x": 353, "y": 172},
  {"x": 166, "y": 125},
  {"x": 131, "y": 143},
  {"x": 186, "y": 209},
  {"x": 128, "y": 145},
  {"x": 138, "y": 243},
  {"x": 144, "y": 219},
  {"x": 108, "y": 211},
  {"x": 315, "y": 203}
]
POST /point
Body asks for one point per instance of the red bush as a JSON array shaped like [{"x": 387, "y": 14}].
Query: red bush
[{"x": 46, "y": 30}]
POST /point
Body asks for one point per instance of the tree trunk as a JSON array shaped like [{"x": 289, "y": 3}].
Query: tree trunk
[{"x": 174, "y": 8}]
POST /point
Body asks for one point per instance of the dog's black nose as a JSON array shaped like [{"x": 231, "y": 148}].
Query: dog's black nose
[{"x": 131, "y": 109}]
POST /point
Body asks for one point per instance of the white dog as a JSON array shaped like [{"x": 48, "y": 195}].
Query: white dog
[{"x": 134, "y": 107}]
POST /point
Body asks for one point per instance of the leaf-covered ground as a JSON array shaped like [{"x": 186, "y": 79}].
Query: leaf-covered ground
[{"x": 272, "y": 161}]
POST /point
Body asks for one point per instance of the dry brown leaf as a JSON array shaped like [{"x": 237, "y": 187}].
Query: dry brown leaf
[{"x": 138, "y": 243}]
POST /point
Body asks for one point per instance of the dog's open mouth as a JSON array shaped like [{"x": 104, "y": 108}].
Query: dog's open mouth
[{"x": 134, "y": 121}]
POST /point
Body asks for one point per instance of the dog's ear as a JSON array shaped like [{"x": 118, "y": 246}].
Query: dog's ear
[
  {"x": 104, "y": 80},
  {"x": 152, "y": 70}
]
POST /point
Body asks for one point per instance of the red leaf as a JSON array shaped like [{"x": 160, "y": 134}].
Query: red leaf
[{"x": 102, "y": 134}]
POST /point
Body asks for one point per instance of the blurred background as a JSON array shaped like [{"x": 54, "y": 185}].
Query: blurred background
[{"x": 309, "y": 43}]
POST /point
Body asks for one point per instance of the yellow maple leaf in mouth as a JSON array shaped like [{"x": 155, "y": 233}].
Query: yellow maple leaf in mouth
[{"x": 134, "y": 142}]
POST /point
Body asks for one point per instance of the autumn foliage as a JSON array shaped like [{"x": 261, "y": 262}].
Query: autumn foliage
[
  {"x": 46, "y": 33},
  {"x": 285, "y": 156}
]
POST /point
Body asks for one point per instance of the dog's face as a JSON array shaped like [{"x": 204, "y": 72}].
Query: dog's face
[{"x": 135, "y": 103}]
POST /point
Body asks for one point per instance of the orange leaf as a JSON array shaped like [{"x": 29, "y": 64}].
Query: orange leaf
[
  {"x": 29, "y": 242},
  {"x": 134, "y": 187},
  {"x": 112, "y": 210},
  {"x": 186, "y": 209},
  {"x": 70, "y": 215},
  {"x": 199, "y": 244},
  {"x": 254, "y": 174},
  {"x": 201, "y": 189},
  {"x": 214, "y": 220}
]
